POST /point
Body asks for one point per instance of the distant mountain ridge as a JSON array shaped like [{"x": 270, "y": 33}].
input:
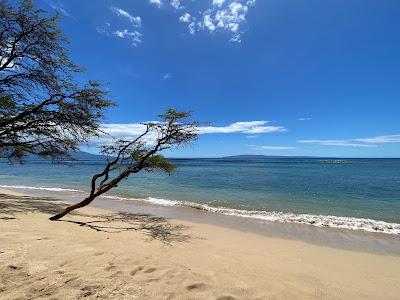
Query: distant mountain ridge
[
  {"x": 255, "y": 156},
  {"x": 82, "y": 155},
  {"x": 78, "y": 155}
]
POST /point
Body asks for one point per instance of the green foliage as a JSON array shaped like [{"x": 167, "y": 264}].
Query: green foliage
[
  {"x": 159, "y": 162},
  {"x": 43, "y": 110}
]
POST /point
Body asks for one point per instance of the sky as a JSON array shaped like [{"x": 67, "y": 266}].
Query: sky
[{"x": 272, "y": 77}]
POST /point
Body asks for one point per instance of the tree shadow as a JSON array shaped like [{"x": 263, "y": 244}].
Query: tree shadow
[
  {"x": 12, "y": 205},
  {"x": 155, "y": 228}
]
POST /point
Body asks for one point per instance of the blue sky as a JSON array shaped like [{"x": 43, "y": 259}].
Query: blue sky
[{"x": 275, "y": 77}]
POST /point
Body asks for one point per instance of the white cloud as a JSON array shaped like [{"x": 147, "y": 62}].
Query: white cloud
[
  {"x": 185, "y": 18},
  {"x": 208, "y": 22},
  {"x": 341, "y": 143},
  {"x": 228, "y": 16},
  {"x": 156, "y": 2},
  {"x": 192, "y": 28},
  {"x": 167, "y": 76},
  {"x": 220, "y": 15},
  {"x": 358, "y": 142},
  {"x": 58, "y": 6},
  {"x": 218, "y": 2},
  {"x": 130, "y": 131},
  {"x": 251, "y": 127},
  {"x": 176, "y": 4},
  {"x": 304, "y": 119},
  {"x": 123, "y": 132},
  {"x": 135, "y": 21},
  {"x": 381, "y": 139},
  {"x": 134, "y": 36},
  {"x": 255, "y": 147}
]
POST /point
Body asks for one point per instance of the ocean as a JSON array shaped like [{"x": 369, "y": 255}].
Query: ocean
[{"x": 344, "y": 193}]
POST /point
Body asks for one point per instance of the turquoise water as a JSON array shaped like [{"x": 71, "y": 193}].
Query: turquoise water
[{"x": 358, "y": 188}]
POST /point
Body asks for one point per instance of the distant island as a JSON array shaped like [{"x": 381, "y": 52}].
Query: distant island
[
  {"x": 78, "y": 155},
  {"x": 82, "y": 155},
  {"x": 250, "y": 156}
]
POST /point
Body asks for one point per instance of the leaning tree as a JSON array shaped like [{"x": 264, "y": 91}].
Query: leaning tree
[
  {"x": 43, "y": 110},
  {"x": 142, "y": 153}
]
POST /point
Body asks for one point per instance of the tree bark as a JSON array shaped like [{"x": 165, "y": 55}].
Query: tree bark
[{"x": 72, "y": 207}]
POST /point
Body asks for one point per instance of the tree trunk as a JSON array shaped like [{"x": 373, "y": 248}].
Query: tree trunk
[{"x": 72, "y": 207}]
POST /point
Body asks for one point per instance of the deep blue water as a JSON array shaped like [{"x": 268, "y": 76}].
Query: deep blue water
[{"x": 362, "y": 188}]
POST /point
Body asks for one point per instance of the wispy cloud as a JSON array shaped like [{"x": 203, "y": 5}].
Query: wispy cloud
[
  {"x": 341, "y": 143},
  {"x": 132, "y": 130},
  {"x": 251, "y": 127},
  {"x": 381, "y": 139},
  {"x": 176, "y": 4},
  {"x": 136, "y": 21},
  {"x": 157, "y": 3},
  {"x": 256, "y": 147},
  {"x": 221, "y": 15},
  {"x": 167, "y": 76},
  {"x": 304, "y": 119},
  {"x": 228, "y": 16},
  {"x": 218, "y": 2},
  {"x": 357, "y": 142},
  {"x": 58, "y": 6},
  {"x": 185, "y": 18},
  {"x": 130, "y": 30},
  {"x": 134, "y": 36}
]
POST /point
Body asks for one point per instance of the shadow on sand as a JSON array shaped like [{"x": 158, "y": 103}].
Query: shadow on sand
[{"x": 155, "y": 228}]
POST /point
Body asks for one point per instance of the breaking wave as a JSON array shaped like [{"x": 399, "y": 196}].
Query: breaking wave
[
  {"x": 24, "y": 187},
  {"x": 273, "y": 216},
  {"x": 369, "y": 225}
]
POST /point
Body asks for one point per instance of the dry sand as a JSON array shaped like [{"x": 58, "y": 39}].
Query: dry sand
[{"x": 100, "y": 254}]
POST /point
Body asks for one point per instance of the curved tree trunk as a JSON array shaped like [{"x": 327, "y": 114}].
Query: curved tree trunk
[{"x": 72, "y": 207}]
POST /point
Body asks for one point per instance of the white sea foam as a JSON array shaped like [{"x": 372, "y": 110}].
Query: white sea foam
[
  {"x": 158, "y": 201},
  {"x": 270, "y": 216},
  {"x": 334, "y": 161},
  {"x": 315, "y": 220},
  {"x": 164, "y": 202},
  {"x": 24, "y": 187}
]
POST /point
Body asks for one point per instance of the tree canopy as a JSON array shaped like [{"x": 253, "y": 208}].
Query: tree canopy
[{"x": 43, "y": 109}]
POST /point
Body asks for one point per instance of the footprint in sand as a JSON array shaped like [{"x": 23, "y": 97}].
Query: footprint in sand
[
  {"x": 70, "y": 280},
  {"x": 110, "y": 267},
  {"x": 89, "y": 290},
  {"x": 149, "y": 270},
  {"x": 199, "y": 286},
  {"x": 115, "y": 274},
  {"x": 226, "y": 298},
  {"x": 137, "y": 269},
  {"x": 12, "y": 267},
  {"x": 64, "y": 263}
]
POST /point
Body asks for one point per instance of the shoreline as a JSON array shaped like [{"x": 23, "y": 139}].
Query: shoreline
[
  {"x": 339, "y": 238},
  {"x": 99, "y": 253},
  {"x": 317, "y": 220}
]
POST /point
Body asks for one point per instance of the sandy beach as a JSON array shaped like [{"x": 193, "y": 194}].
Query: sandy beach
[{"x": 97, "y": 253}]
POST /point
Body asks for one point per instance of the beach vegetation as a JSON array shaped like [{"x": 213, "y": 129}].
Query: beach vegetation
[
  {"x": 143, "y": 153},
  {"x": 44, "y": 111}
]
